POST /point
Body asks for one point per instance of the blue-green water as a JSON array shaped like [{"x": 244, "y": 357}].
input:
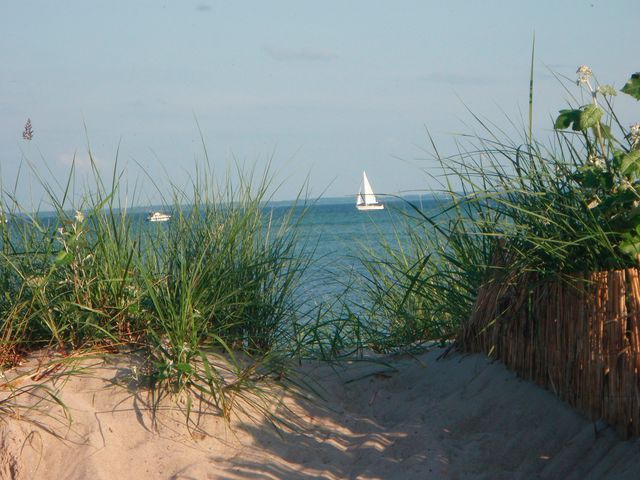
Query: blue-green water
[
  {"x": 335, "y": 234},
  {"x": 339, "y": 235}
]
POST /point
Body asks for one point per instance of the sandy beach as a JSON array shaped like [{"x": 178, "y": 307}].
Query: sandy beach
[{"x": 395, "y": 417}]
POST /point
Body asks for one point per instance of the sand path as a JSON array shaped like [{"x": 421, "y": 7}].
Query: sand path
[{"x": 411, "y": 417}]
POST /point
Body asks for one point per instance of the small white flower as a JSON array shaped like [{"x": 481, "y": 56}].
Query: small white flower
[
  {"x": 597, "y": 161},
  {"x": 634, "y": 135},
  {"x": 607, "y": 90},
  {"x": 79, "y": 216},
  {"x": 584, "y": 74}
]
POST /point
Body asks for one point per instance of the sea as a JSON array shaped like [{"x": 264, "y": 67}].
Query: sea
[
  {"x": 339, "y": 237},
  {"x": 332, "y": 232}
]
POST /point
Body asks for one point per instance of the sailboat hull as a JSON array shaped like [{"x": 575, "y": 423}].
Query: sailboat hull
[{"x": 372, "y": 206}]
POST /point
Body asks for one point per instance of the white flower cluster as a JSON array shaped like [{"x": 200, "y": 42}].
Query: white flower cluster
[
  {"x": 607, "y": 90},
  {"x": 584, "y": 74},
  {"x": 634, "y": 135},
  {"x": 597, "y": 161}
]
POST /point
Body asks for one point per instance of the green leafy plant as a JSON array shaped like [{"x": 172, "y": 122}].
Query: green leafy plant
[
  {"x": 514, "y": 205},
  {"x": 611, "y": 173}
]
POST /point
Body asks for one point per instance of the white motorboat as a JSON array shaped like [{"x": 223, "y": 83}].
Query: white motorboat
[{"x": 158, "y": 217}]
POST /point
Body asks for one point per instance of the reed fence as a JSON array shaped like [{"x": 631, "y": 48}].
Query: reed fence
[{"x": 577, "y": 336}]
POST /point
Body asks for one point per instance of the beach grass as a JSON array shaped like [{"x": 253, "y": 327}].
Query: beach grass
[
  {"x": 552, "y": 206},
  {"x": 208, "y": 299}
]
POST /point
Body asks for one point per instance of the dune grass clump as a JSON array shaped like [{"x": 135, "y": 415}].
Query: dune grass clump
[
  {"x": 419, "y": 285},
  {"x": 206, "y": 297},
  {"x": 68, "y": 277},
  {"x": 221, "y": 285},
  {"x": 330, "y": 331},
  {"x": 569, "y": 205}
]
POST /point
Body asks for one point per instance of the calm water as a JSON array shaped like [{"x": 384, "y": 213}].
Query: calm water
[
  {"x": 339, "y": 234},
  {"x": 336, "y": 233}
]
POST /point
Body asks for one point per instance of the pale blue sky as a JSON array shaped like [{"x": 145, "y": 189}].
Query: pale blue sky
[{"x": 328, "y": 88}]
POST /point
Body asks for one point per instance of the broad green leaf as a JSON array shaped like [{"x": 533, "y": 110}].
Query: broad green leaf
[
  {"x": 617, "y": 157},
  {"x": 630, "y": 162},
  {"x": 566, "y": 118},
  {"x": 630, "y": 246},
  {"x": 581, "y": 119},
  {"x": 613, "y": 203},
  {"x": 632, "y": 87},
  {"x": 589, "y": 117},
  {"x": 591, "y": 177}
]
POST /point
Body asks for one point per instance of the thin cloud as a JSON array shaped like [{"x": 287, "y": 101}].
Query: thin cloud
[
  {"x": 203, "y": 7},
  {"x": 304, "y": 54},
  {"x": 453, "y": 79}
]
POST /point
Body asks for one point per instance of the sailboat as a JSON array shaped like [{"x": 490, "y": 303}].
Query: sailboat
[{"x": 366, "y": 199}]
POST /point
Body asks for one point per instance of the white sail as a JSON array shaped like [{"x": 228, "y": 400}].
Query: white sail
[
  {"x": 366, "y": 198},
  {"x": 369, "y": 197}
]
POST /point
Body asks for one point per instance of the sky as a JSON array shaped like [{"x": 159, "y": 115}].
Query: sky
[{"x": 321, "y": 90}]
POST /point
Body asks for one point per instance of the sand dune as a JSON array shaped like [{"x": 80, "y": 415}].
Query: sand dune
[{"x": 458, "y": 418}]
